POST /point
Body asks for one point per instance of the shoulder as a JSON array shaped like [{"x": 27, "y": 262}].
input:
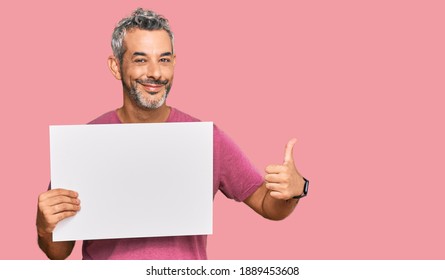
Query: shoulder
[
  {"x": 107, "y": 118},
  {"x": 219, "y": 137},
  {"x": 177, "y": 115}
]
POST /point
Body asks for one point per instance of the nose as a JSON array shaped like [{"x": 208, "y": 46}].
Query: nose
[{"x": 154, "y": 71}]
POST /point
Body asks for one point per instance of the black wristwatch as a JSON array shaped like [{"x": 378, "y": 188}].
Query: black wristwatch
[{"x": 305, "y": 189}]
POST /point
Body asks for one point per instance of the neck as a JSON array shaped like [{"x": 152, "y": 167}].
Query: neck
[{"x": 131, "y": 113}]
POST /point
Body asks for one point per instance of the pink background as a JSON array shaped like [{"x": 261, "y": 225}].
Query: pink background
[{"x": 359, "y": 83}]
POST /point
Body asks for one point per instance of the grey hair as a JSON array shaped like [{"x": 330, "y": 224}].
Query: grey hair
[{"x": 139, "y": 19}]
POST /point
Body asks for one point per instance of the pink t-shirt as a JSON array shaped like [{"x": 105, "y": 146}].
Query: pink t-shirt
[{"x": 233, "y": 175}]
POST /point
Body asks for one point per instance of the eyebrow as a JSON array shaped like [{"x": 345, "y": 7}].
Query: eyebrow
[
  {"x": 144, "y": 54},
  {"x": 166, "y": 54},
  {"x": 139, "y": 53}
]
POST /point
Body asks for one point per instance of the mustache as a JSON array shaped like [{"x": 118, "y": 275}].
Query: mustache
[{"x": 152, "y": 81}]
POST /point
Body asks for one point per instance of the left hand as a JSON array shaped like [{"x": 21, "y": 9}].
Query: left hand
[{"x": 283, "y": 180}]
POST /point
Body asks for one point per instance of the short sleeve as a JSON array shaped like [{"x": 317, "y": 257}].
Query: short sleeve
[{"x": 238, "y": 177}]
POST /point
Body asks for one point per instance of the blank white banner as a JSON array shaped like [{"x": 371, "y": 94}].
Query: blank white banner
[{"x": 135, "y": 180}]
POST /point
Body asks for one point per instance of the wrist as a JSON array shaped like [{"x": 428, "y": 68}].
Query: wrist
[
  {"x": 44, "y": 234},
  {"x": 305, "y": 189}
]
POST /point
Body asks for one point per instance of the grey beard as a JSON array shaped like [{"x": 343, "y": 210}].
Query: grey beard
[{"x": 137, "y": 96}]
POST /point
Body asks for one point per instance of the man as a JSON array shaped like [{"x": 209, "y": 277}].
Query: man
[{"x": 144, "y": 60}]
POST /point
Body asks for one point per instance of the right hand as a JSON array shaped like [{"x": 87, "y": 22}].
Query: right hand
[{"x": 54, "y": 206}]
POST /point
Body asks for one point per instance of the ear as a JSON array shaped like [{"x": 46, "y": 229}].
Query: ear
[
  {"x": 115, "y": 69},
  {"x": 174, "y": 60}
]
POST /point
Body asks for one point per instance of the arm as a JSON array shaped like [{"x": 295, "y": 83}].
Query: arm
[
  {"x": 273, "y": 199},
  {"x": 54, "y": 206}
]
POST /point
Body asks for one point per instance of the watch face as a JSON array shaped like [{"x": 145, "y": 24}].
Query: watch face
[{"x": 306, "y": 186}]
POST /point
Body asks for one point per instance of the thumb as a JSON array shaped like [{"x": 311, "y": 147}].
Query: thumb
[{"x": 288, "y": 153}]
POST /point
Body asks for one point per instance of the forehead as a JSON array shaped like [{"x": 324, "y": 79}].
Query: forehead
[{"x": 147, "y": 41}]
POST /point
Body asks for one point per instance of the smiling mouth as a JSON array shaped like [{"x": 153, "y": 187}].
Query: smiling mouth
[{"x": 152, "y": 86}]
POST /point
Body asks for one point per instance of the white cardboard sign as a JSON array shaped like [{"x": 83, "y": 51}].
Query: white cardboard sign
[{"x": 135, "y": 180}]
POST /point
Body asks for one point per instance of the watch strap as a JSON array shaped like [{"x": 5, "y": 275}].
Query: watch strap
[{"x": 305, "y": 189}]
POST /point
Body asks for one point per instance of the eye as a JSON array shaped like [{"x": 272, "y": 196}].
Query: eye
[
  {"x": 165, "y": 60},
  {"x": 140, "y": 60}
]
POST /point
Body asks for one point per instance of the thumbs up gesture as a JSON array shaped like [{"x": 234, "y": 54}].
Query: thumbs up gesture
[{"x": 283, "y": 180}]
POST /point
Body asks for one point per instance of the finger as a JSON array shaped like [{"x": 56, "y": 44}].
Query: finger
[
  {"x": 65, "y": 207},
  {"x": 63, "y": 215},
  {"x": 278, "y": 195},
  {"x": 58, "y": 192},
  {"x": 273, "y": 186},
  {"x": 275, "y": 168},
  {"x": 61, "y": 199},
  {"x": 49, "y": 212},
  {"x": 274, "y": 178},
  {"x": 288, "y": 153}
]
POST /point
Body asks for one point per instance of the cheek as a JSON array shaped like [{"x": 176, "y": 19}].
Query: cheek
[
  {"x": 168, "y": 72},
  {"x": 133, "y": 74}
]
